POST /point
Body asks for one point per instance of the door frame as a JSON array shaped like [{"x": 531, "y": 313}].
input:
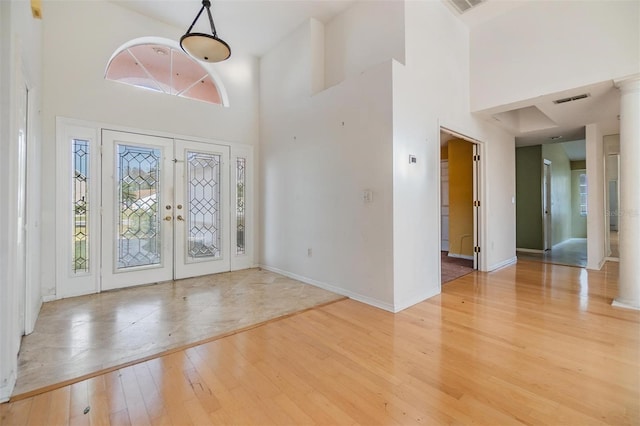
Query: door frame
[
  {"x": 27, "y": 294},
  {"x": 479, "y": 231},
  {"x": 65, "y": 128},
  {"x": 547, "y": 236}
]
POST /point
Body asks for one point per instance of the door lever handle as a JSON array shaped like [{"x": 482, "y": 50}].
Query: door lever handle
[
  {"x": 167, "y": 218},
  {"x": 180, "y": 218}
]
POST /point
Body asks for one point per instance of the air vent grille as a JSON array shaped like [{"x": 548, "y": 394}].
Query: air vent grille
[
  {"x": 571, "y": 98},
  {"x": 464, "y": 5}
]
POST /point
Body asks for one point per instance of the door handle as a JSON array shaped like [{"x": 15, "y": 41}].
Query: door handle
[
  {"x": 180, "y": 218},
  {"x": 167, "y": 218}
]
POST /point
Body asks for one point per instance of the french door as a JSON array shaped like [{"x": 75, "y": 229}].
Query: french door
[
  {"x": 165, "y": 211},
  {"x": 134, "y": 208}
]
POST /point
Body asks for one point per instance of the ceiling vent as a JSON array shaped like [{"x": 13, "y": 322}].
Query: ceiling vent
[
  {"x": 571, "y": 98},
  {"x": 464, "y": 5}
]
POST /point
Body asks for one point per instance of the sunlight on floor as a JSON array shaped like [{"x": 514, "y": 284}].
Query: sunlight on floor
[{"x": 81, "y": 335}]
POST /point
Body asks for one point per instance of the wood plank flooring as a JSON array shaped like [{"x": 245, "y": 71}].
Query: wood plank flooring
[{"x": 529, "y": 344}]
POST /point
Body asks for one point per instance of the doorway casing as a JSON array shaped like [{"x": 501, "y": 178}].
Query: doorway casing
[{"x": 479, "y": 228}]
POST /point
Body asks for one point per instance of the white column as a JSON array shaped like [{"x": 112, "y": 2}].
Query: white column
[{"x": 629, "y": 223}]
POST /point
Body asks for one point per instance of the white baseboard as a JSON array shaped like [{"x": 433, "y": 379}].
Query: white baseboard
[
  {"x": 415, "y": 300},
  {"x": 7, "y": 388},
  {"x": 460, "y": 256},
  {"x": 598, "y": 266},
  {"x": 618, "y": 304},
  {"x": 502, "y": 264},
  {"x": 526, "y": 250},
  {"x": 339, "y": 290}
]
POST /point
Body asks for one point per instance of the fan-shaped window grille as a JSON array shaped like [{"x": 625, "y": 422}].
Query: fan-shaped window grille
[{"x": 163, "y": 68}]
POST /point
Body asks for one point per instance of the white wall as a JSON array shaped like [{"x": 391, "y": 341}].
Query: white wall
[
  {"x": 20, "y": 42},
  {"x": 75, "y": 57},
  {"x": 318, "y": 154},
  {"x": 595, "y": 197},
  {"x": 364, "y": 35},
  {"x": 545, "y": 47},
  {"x": 314, "y": 169},
  {"x": 430, "y": 91}
]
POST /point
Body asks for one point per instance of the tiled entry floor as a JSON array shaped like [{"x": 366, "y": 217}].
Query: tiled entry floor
[
  {"x": 82, "y": 335},
  {"x": 572, "y": 252}
]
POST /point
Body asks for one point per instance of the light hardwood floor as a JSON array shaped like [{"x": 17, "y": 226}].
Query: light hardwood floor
[{"x": 529, "y": 344}]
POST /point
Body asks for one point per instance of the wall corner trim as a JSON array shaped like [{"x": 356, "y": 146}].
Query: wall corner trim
[
  {"x": 330, "y": 287},
  {"x": 397, "y": 307},
  {"x": 618, "y": 304},
  {"x": 7, "y": 388},
  {"x": 503, "y": 264},
  {"x": 598, "y": 266},
  {"x": 528, "y": 250}
]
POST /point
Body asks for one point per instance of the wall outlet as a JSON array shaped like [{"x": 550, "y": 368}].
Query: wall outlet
[
  {"x": 367, "y": 196},
  {"x": 309, "y": 252}
]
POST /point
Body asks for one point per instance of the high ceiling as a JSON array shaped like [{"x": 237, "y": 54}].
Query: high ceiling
[
  {"x": 255, "y": 26},
  {"x": 249, "y": 26},
  {"x": 540, "y": 120}
]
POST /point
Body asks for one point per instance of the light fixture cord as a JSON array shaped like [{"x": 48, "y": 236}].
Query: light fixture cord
[
  {"x": 213, "y": 27},
  {"x": 207, "y": 4},
  {"x": 195, "y": 20}
]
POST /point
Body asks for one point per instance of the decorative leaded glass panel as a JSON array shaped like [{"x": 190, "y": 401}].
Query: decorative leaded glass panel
[
  {"x": 139, "y": 226},
  {"x": 240, "y": 204},
  {"x": 80, "y": 200},
  {"x": 203, "y": 219}
]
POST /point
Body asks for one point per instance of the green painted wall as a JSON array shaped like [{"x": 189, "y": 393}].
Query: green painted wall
[
  {"x": 560, "y": 192},
  {"x": 529, "y": 197},
  {"x": 579, "y": 165}
]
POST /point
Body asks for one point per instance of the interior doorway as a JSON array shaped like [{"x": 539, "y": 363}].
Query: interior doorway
[
  {"x": 546, "y": 205},
  {"x": 459, "y": 205},
  {"x": 551, "y": 203}
]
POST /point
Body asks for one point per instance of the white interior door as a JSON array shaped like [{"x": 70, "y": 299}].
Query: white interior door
[
  {"x": 476, "y": 205},
  {"x": 546, "y": 204},
  {"x": 137, "y": 214},
  {"x": 202, "y": 238}
]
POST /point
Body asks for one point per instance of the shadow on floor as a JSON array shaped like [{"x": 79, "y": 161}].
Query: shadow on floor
[{"x": 453, "y": 267}]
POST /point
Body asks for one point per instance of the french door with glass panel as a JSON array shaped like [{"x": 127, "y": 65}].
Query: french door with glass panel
[{"x": 165, "y": 209}]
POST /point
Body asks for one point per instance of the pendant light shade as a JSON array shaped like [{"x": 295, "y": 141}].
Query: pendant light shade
[{"x": 205, "y": 47}]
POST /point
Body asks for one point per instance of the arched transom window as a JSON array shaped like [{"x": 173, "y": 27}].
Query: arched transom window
[{"x": 160, "y": 65}]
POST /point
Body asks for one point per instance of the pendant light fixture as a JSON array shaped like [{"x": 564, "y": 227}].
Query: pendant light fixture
[{"x": 205, "y": 47}]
